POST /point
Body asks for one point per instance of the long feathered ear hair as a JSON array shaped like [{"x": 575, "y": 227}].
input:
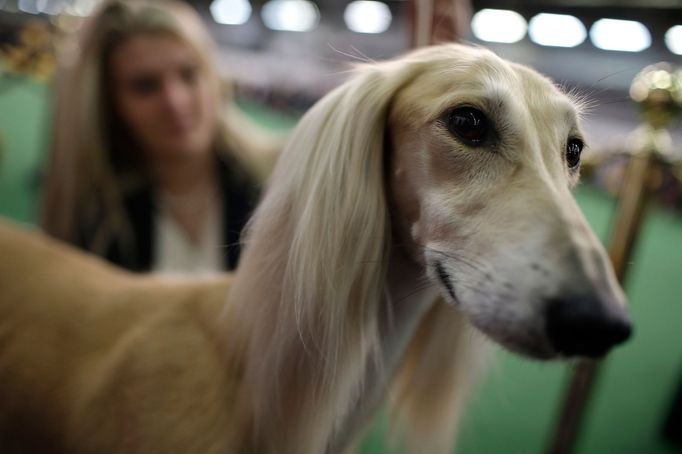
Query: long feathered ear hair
[{"x": 313, "y": 270}]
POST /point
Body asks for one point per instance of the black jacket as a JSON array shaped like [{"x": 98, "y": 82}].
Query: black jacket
[{"x": 238, "y": 194}]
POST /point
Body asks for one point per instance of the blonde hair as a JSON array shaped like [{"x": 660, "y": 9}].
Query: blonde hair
[
  {"x": 311, "y": 281},
  {"x": 83, "y": 185}
]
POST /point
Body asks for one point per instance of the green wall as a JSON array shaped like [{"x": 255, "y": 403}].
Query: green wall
[{"x": 24, "y": 116}]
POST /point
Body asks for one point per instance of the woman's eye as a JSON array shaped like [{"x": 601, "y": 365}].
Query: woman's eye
[
  {"x": 189, "y": 74},
  {"x": 469, "y": 124},
  {"x": 144, "y": 85},
  {"x": 574, "y": 148}
]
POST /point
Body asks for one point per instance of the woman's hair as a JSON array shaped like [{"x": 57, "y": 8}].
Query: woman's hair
[{"x": 93, "y": 163}]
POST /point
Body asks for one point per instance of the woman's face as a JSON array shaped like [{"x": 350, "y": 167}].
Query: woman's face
[{"x": 162, "y": 94}]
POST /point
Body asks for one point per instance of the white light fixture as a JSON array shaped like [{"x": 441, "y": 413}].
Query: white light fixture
[
  {"x": 621, "y": 35},
  {"x": 290, "y": 15},
  {"x": 558, "y": 30},
  {"x": 365, "y": 16},
  {"x": 673, "y": 39},
  {"x": 498, "y": 26},
  {"x": 230, "y": 12},
  {"x": 81, "y": 8},
  {"x": 28, "y": 6},
  {"x": 51, "y": 7}
]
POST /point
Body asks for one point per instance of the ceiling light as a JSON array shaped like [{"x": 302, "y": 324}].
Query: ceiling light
[
  {"x": 621, "y": 35},
  {"x": 52, "y": 7},
  {"x": 290, "y": 15},
  {"x": 81, "y": 8},
  {"x": 559, "y": 30},
  {"x": 364, "y": 16},
  {"x": 231, "y": 12},
  {"x": 673, "y": 39},
  {"x": 28, "y": 6},
  {"x": 498, "y": 26}
]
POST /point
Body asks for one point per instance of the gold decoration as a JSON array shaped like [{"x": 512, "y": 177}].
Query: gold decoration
[
  {"x": 33, "y": 55},
  {"x": 658, "y": 91}
]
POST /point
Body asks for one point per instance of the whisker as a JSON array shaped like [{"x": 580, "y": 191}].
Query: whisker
[
  {"x": 616, "y": 101},
  {"x": 615, "y": 73},
  {"x": 415, "y": 291},
  {"x": 361, "y": 58},
  {"x": 362, "y": 54},
  {"x": 470, "y": 262}
]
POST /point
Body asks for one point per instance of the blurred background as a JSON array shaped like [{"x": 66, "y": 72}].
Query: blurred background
[{"x": 283, "y": 55}]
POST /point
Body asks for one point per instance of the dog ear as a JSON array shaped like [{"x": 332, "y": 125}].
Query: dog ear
[
  {"x": 317, "y": 249},
  {"x": 333, "y": 169}
]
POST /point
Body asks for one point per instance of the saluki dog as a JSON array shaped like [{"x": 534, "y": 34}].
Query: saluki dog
[{"x": 424, "y": 201}]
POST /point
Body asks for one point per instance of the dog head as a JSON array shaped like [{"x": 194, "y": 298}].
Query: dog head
[
  {"x": 469, "y": 160},
  {"x": 484, "y": 154}
]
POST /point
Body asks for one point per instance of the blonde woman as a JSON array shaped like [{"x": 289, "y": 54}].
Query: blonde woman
[{"x": 146, "y": 168}]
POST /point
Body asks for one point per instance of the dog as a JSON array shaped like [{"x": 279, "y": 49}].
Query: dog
[{"x": 422, "y": 203}]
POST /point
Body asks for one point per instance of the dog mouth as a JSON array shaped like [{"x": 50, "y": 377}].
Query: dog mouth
[
  {"x": 531, "y": 350},
  {"x": 446, "y": 280},
  {"x": 525, "y": 342}
]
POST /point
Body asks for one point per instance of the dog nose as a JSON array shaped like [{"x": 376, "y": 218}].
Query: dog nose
[{"x": 583, "y": 327}]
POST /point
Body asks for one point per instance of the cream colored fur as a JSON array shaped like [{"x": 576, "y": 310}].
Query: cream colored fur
[{"x": 336, "y": 298}]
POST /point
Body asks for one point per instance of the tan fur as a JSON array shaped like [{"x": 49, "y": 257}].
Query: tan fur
[
  {"x": 94, "y": 359},
  {"x": 336, "y": 298}
]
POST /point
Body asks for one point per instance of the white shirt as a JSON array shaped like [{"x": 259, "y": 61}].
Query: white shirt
[{"x": 175, "y": 254}]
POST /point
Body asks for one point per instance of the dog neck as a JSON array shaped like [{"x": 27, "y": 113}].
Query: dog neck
[{"x": 408, "y": 297}]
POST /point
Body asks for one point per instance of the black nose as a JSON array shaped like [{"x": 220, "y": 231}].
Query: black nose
[{"x": 583, "y": 327}]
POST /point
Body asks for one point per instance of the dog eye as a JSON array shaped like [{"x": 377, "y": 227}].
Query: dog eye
[
  {"x": 469, "y": 124},
  {"x": 573, "y": 149}
]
